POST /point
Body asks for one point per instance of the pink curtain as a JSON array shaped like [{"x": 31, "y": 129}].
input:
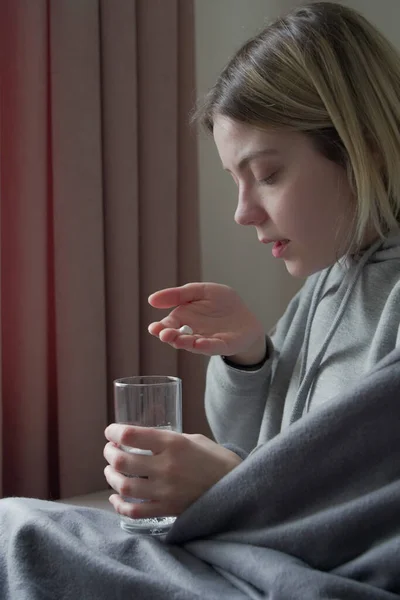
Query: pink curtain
[{"x": 98, "y": 209}]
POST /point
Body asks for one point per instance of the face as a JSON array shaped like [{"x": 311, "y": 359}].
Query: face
[{"x": 289, "y": 192}]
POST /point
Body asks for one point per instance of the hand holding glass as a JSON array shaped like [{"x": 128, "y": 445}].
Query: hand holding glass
[{"x": 148, "y": 401}]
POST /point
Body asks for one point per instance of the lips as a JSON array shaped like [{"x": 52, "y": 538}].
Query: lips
[{"x": 279, "y": 248}]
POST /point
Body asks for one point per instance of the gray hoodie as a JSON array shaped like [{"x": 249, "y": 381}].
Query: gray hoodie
[{"x": 342, "y": 322}]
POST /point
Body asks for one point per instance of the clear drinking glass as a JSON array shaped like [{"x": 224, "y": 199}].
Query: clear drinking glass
[{"x": 148, "y": 401}]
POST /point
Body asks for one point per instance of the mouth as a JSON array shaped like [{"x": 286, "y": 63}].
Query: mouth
[
  {"x": 275, "y": 241},
  {"x": 279, "y": 245},
  {"x": 279, "y": 248}
]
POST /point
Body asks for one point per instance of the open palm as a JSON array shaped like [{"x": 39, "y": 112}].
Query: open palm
[{"x": 221, "y": 322}]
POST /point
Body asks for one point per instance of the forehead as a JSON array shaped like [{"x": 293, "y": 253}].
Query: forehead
[
  {"x": 227, "y": 130},
  {"x": 237, "y": 141},
  {"x": 234, "y": 140}
]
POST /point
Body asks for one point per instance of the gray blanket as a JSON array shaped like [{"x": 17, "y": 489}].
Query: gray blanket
[{"x": 315, "y": 513}]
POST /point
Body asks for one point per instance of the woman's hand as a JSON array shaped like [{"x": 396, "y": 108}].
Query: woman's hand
[
  {"x": 221, "y": 322},
  {"x": 180, "y": 470}
]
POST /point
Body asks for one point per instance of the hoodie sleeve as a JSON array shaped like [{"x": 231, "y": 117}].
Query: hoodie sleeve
[{"x": 235, "y": 399}]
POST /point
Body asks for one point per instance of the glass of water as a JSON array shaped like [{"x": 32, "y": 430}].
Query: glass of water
[{"x": 148, "y": 401}]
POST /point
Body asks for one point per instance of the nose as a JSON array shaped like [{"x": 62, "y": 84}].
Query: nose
[{"x": 249, "y": 211}]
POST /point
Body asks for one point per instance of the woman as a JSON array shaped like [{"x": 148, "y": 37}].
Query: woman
[{"x": 306, "y": 118}]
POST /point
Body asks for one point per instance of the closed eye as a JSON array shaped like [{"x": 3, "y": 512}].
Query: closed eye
[{"x": 270, "y": 180}]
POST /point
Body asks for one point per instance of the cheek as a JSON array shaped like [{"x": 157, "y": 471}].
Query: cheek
[
  {"x": 296, "y": 209},
  {"x": 314, "y": 206}
]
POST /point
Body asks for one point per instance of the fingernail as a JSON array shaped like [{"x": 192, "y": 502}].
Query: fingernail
[{"x": 110, "y": 431}]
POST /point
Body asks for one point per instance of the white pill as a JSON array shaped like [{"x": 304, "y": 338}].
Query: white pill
[{"x": 186, "y": 329}]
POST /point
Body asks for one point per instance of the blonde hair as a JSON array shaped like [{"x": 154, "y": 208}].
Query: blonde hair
[{"x": 323, "y": 69}]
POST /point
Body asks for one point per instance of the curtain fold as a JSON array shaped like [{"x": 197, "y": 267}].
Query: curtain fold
[{"x": 98, "y": 209}]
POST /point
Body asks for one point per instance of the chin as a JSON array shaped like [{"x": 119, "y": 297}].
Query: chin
[{"x": 302, "y": 270}]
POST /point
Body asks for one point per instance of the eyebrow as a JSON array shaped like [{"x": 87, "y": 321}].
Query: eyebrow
[{"x": 253, "y": 155}]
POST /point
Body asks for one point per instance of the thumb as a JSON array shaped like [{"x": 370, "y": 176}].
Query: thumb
[{"x": 169, "y": 297}]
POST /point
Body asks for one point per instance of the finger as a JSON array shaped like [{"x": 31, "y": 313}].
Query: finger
[
  {"x": 185, "y": 342},
  {"x": 177, "y": 339},
  {"x": 155, "y": 328},
  {"x": 127, "y": 463},
  {"x": 146, "y": 438},
  {"x": 175, "y": 296},
  {"x": 169, "y": 335},
  {"x": 171, "y": 321},
  {"x": 129, "y": 487},
  {"x": 138, "y": 510},
  {"x": 193, "y": 343},
  {"x": 210, "y": 346},
  {"x": 199, "y": 345}
]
